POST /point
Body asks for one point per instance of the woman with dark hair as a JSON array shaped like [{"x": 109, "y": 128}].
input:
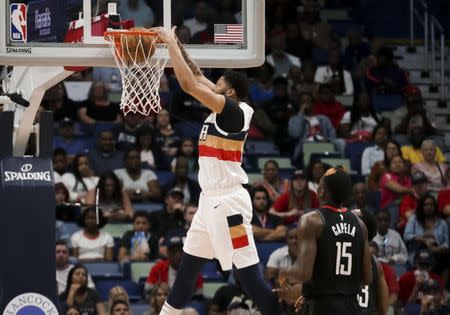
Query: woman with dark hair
[
  {"x": 64, "y": 210},
  {"x": 72, "y": 310},
  {"x": 92, "y": 244},
  {"x": 98, "y": 107},
  {"x": 81, "y": 180},
  {"x": 426, "y": 229},
  {"x": 374, "y": 153},
  {"x": 77, "y": 293},
  {"x": 138, "y": 183},
  {"x": 151, "y": 154},
  {"x": 187, "y": 150},
  {"x": 114, "y": 202},
  {"x": 271, "y": 180},
  {"x": 292, "y": 204},
  {"x": 391, "y": 149},
  {"x": 314, "y": 173},
  {"x": 395, "y": 183}
]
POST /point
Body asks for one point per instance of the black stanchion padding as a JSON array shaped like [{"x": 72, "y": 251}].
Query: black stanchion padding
[
  {"x": 46, "y": 134},
  {"x": 6, "y": 133}
]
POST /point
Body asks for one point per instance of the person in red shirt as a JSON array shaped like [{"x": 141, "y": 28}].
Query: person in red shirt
[
  {"x": 293, "y": 203},
  {"x": 409, "y": 202},
  {"x": 165, "y": 271},
  {"x": 444, "y": 197},
  {"x": 327, "y": 105},
  {"x": 411, "y": 282}
]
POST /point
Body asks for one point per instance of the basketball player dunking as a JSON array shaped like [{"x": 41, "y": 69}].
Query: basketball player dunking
[
  {"x": 333, "y": 259},
  {"x": 221, "y": 227}
]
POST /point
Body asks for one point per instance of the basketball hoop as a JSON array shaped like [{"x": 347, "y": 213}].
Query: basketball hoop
[{"x": 139, "y": 56}]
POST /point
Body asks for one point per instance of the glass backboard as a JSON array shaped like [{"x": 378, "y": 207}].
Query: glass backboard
[{"x": 217, "y": 33}]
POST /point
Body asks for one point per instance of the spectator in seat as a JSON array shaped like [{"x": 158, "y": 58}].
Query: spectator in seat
[
  {"x": 139, "y": 244},
  {"x": 117, "y": 294},
  {"x": 63, "y": 267},
  {"x": 66, "y": 139},
  {"x": 78, "y": 294},
  {"x": 359, "y": 123},
  {"x": 82, "y": 180},
  {"x": 72, "y": 310},
  {"x": 413, "y": 153},
  {"x": 444, "y": 198},
  {"x": 434, "y": 171},
  {"x": 279, "y": 108},
  {"x": 138, "y": 183},
  {"x": 158, "y": 296},
  {"x": 409, "y": 202},
  {"x": 190, "y": 188},
  {"x": 172, "y": 216},
  {"x": 137, "y": 10},
  {"x": 411, "y": 282},
  {"x": 356, "y": 50},
  {"x": 293, "y": 204},
  {"x": 430, "y": 300},
  {"x": 391, "y": 248},
  {"x": 391, "y": 149},
  {"x": 314, "y": 172},
  {"x": 360, "y": 198},
  {"x": 113, "y": 201},
  {"x": 394, "y": 185},
  {"x": 309, "y": 126},
  {"x": 55, "y": 99},
  {"x": 386, "y": 77},
  {"x": 265, "y": 226},
  {"x": 260, "y": 88},
  {"x": 389, "y": 275},
  {"x": 335, "y": 74},
  {"x": 283, "y": 257},
  {"x": 272, "y": 181},
  {"x": 279, "y": 58},
  {"x": 327, "y": 105},
  {"x": 426, "y": 230},
  {"x": 151, "y": 154},
  {"x": 60, "y": 163},
  {"x": 313, "y": 29},
  {"x": 126, "y": 132},
  {"x": 375, "y": 153},
  {"x": 165, "y": 136},
  {"x": 308, "y": 85},
  {"x": 91, "y": 243},
  {"x": 295, "y": 43},
  {"x": 98, "y": 107},
  {"x": 120, "y": 307},
  {"x": 199, "y": 22},
  {"x": 166, "y": 270},
  {"x": 188, "y": 152},
  {"x": 105, "y": 157}
]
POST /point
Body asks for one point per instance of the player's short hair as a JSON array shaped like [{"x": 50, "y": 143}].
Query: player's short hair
[
  {"x": 238, "y": 81},
  {"x": 338, "y": 185},
  {"x": 371, "y": 224}
]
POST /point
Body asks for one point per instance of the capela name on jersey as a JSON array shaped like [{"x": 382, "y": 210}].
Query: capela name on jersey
[{"x": 343, "y": 228}]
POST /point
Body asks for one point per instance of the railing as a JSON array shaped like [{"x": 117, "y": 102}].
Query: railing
[{"x": 430, "y": 26}]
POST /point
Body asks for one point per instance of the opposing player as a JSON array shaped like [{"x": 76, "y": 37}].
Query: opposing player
[
  {"x": 374, "y": 298},
  {"x": 333, "y": 259},
  {"x": 221, "y": 227}
]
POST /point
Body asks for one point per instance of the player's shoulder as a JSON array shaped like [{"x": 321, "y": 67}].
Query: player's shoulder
[{"x": 311, "y": 219}]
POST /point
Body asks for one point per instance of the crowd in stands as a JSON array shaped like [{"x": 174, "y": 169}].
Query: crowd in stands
[{"x": 316, "y": 87}]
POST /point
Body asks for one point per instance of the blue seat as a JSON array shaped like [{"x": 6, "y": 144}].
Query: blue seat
[
  {"x": 265, "y": 249},
  {"x": 139, "y": 309},
  {"x": 165, "y": 177},
  {"x": 188, "y": 129},
  {"x": 148, "y": 206},
  {"x": 341, "y": 27},
  {"x": 387, "y": 102},
  {"x": 133, "y": 289},
  {"x": 320, "y": 56},
  {"x": 104, "y": 270},
  {"x": 211, "y": 273},
  {"x": 261, "y": 148},
  {"x": 354, "y": 152},
  {"x": 70, "y": 228}
]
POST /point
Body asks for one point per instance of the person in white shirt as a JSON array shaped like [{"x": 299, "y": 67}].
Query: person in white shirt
[
  {"x": 392, "y": 249},
  {"x": 63, "y": 267},
  {"x": 334, "y": 73},
  {"x": 81, "y": 180},
  {"x": 283, "y": 257},
  {"x": 279, "y": 58},
  {"x": 92, "y": 244},
  {"x": 375, "y": 153}
]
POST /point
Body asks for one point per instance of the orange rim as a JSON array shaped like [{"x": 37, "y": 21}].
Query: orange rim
[{"x": 116, "y": 37}]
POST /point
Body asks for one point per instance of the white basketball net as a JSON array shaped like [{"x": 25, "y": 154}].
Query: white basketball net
[{"x": 141, "y": 74}]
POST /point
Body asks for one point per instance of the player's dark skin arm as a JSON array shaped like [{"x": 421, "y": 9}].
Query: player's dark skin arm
[
  {"x": 382, "y": 292},
  {"x": 366, "y": 276}
]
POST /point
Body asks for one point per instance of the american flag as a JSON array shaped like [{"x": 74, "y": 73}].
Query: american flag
[{"x": 228, "y": 33}]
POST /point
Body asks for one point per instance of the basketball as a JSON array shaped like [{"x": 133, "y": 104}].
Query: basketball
[{"x": 138, "y": 48}]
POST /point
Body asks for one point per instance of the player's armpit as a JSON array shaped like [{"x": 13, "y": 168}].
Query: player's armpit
[{"x": 205, "y": 95}]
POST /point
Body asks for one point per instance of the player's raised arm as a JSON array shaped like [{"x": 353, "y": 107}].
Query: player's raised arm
[
  {"x": 186, "y": 77},
  {"x": 366, "y": 276}
]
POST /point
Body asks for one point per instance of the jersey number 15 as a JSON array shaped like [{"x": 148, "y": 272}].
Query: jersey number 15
[{"x": 343, "y": 259}]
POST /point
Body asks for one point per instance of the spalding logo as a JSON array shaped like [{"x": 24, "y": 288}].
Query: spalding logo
[
  {"x": 30, "y": 304},
  {"x": 25, "y": 174}
]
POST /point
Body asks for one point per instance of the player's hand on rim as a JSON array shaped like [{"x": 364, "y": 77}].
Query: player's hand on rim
[{"x": 165, "y": 35}]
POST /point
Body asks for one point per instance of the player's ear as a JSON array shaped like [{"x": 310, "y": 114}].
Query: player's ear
[{"x": 231, "y": 93}]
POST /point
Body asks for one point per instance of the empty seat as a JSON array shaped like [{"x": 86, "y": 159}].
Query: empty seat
[
  {"x": 133, "y": 289},
  {"x": 254, "y": 177},
  {"x": 165, "y": 177},
  {"x": 354, "y": 152},
  {"x": 148, "y": 206},
  {"x": 315, "y": 147},
  {"x": 104, "y": 270},
  {"x": 140, "y": 270},
  {"x": 117, "y": 229},
  {"x": 265, "y": 249},
  {"x": 188, "y": 129},
  {"x": 211, "y": 273},
  {"x": 139, "y": 309},
  {"x": 261, "y": 148},
  {"x": 283, "y": 162},
  {"x": 345, "y": 163},
  {"x": 387, "y": 102},
  {"x": 210, "y": 288}
]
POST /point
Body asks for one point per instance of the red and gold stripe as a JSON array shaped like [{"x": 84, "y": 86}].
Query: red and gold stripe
[{"x": 220, "y": 148}]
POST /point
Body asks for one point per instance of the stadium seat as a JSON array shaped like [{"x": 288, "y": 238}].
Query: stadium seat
[
  {"x": 354, "y": 152},
  {"x": 188, "y": 129},
  {"x": 147, "y": 206},
  {"x": 265, "y": 249},
  {"x": 345, "y": 100},
  {"x": 117, "y": 229},
  {"x": 338, "y": 162},
  {"x": 283, "y": 162},
  {"x": 254, "y": 177},
  {"x": 261, "y": 148},
  {"x": 104, "y": 270},
  {"x": 139, "y": 309},
  {"x": 71, "y": 228},
  {"x": 210, "y": 288},
  {"x": 165, "y": 177},
  {"x": 133, "y": 289},
  {"x": 320, "y": 56},
  {"x": 140, "y": 270},
  {"x": 211, "y": 273},
  {"x": 387, "y": 102},
  {"x": 315, "y": 147}
]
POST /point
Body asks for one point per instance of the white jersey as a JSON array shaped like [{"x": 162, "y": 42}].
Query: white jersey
[{"x": 220, "y": 154}]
